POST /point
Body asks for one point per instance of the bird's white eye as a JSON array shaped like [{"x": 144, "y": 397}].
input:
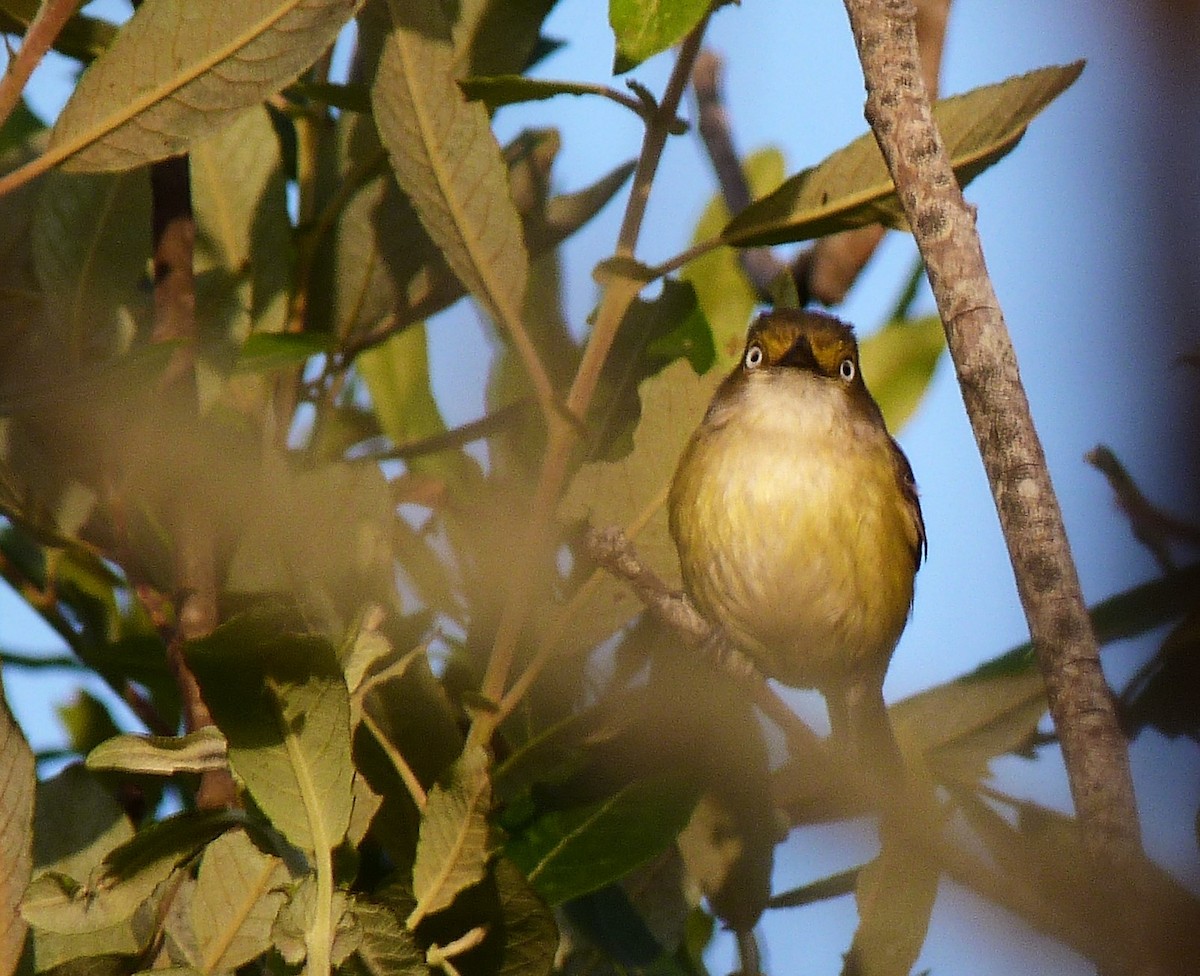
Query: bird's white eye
[
  {"x": 846, "y": 369},
  {"x": 754, "y": 357}
]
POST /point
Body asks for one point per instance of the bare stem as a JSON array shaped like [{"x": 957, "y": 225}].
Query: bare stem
[
  {"x": 1081, "y": 703},
  {"x": 45, "y": 27}
]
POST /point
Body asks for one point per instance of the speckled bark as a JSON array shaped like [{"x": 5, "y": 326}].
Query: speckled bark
[{"x": 944, "y": 226}]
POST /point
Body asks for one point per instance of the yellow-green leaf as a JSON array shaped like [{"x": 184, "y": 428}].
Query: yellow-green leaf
[
  {"x": 897, "y": 364},
  {"x": 179, "y": 70},
  {"x": 447, "y": 160},
  {"x": 643, "y": 28},
  {"x": 852, "y": 188}
]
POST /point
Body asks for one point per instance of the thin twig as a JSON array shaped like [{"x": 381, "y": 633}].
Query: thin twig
[
  {"x": 45, "y": 27},
  {"x": 898, "y": 109},
  {"x": 1151, "y": 526}
]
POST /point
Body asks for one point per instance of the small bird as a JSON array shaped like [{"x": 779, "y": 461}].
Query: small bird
[{"x": 798, "y": 525}]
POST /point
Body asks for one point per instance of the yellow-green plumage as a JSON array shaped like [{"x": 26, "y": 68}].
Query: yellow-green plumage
[{"x": 794, "y": 512}]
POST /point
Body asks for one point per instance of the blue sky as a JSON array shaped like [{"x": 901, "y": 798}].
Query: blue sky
[{"x": 1069, "y": 232}]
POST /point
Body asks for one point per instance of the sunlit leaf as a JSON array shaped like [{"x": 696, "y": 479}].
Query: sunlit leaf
[
  {"x": 447, "y": 161},
  {"x": 387, "y": 947},
  {"x": 852, "y": 188},
  {"x": 177, "y": 72},
  {"x": 643, "y": 28},
  {"x": 454, "y": 847},
  {"x": 161, "y": 755},
  {"x": 279, "y": 697}
]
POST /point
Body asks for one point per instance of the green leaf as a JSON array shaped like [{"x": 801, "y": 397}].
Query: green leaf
[
  {"x": 727, "y": 297},
  {"x": 279, "y": 697},
  {"x": 568, "y": 853},
  {"x": 387, "y": 947},
  {"x": 19, "y": 778},
  {"x": 88, "y": 722},
  {"x": 530, "y": 932},
  {"x": 852, "y": 188},
  {"x": 454, "y": 845},
  {"x": 447, "y": 161},
  {"x": 91, "y": 246},
  {"x": 161, "y": 755},
  {"x": 898, "y": 363},
  {"x": 652, "y": 335},
  {"x": 177, "y": 72},
  {"x": 243, "y": 232},
  {"x": 295, "y": 937},
  {"x": 353, "y": 97},
  {"x": 76, "y": 824},
  {"x": 238, "y": 893},
  {"x": 266, "y": 352},
  {"x": 643, "y": 28}
]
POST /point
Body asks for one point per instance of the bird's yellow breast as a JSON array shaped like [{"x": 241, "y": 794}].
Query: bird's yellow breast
[{"x": 793, "y": 533}]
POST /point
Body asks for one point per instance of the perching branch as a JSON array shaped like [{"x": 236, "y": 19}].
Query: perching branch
[{"x": 898, "y": 110}]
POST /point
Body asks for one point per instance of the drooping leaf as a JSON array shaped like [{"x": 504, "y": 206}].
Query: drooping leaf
[
  {"x": 18, "y": 779},
  {"x": 567, "y": 853},
  {"x": 237, "y": 896},
  {"x": 279, "y": 697},
  {"x": 177, "y": 72},
  {"x": 454, "y": 846},
  {"x": 895, "y": 895},
  {"x": 161, "y": 755},
  {"x": 852, "y": 188},
  {"x": 898, "y": 363},
  {"x": 643, "y": 28},
  {"x": 447, "y": 161}
]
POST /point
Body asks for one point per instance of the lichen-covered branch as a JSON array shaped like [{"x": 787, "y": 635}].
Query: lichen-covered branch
[{"x": 1081, "y": 703}]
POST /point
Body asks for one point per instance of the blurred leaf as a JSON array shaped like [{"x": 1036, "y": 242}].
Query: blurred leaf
[
  {"x": 898, "y": 363},
  {"x": 852, "y": 188},
  {"x": 567, "y": 853},
  {"x": 957, "y": 728},
  {"x": 352, "y": 97},
  {"x": 19, "y": 776},
  {"x": 76, "y": 824},
  {"x": 87, "y": 721},
  {"x": 1165, "y": 693},
  {"x": 91, "y": 247},
  {"x": 279, "y": 697},
  {"x": 724, "y": 293},
  {"x": 494, "y": 37},
  {"x": 643, "y": 28},
  {"x": 130, "y": 108},
  {"x": 454, "y": 846},
  {"x": 895, "y": 895},
  {"x": 446, "y": 159},
  {"x": 266, "y": 352},
  {"x": 609, "y": 921},
  {"x": 238, "y": 893},
  {"x": 567, "y": 212},
  {"x": 160, "y": 755}
]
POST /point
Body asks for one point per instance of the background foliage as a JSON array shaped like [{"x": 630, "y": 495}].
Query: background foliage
[{"x": 366, "y": 556}]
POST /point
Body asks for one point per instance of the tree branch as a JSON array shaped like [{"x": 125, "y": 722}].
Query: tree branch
[
  {"x": 174, "y": 234},
  {"x": 45, "y": 27},
  {"x": 898, "y": 110}
]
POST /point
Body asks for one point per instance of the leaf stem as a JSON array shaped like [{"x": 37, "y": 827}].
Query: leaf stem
[{"x": 619, "y": 292}]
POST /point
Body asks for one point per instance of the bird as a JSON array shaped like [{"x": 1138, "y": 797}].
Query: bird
[{"x": 798, "y": 526}]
